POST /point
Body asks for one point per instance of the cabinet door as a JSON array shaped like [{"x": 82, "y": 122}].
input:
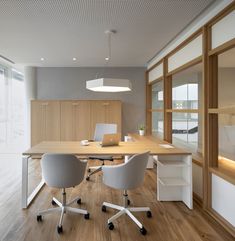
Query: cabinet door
[
  {"x": 38, "y": 130},
  {"x": 114, "y": 113},
  {"x": 97, "y": 114},
  {"x": 75, "y": 120},
  {"x": 45, "y": 126},
  {"x": 105, "y": 112}
]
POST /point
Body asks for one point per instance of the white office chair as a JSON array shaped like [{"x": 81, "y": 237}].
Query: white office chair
[
  {"x": 126, "y": 176},
  {"x": 62, "y": 171},
  {"x": 100, "y": 130}
]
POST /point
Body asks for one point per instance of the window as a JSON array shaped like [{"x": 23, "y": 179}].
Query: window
[{"x": 12, "y": 111}]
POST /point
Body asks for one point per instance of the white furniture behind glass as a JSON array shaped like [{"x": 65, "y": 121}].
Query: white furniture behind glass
[{"x": 174, "y": 178}]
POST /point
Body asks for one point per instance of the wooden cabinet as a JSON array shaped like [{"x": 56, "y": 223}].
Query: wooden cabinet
[
  {"x": 71, "y": 120},
  {"x": 106, "y": 112},
  {"x": 45, "y": 121},
  {"x": 75, "y": 120}
]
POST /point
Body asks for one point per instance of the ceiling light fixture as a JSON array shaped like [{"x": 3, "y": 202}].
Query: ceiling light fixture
[
  {"x": 109, "y": 84},
  {"x": 42, "y": 59},
  {"x": 74, "y": 59}
]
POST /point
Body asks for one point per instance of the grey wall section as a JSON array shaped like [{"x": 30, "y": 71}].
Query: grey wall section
[{"x": 70, "y": 83}]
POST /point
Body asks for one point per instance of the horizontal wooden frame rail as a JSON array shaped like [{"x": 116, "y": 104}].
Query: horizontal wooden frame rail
[
  {"x": 156, "y": 81},
  {"x": 225, "y": 110},
  {"x": 183, "y": 110},
  {"x": 156, "y": 110}
]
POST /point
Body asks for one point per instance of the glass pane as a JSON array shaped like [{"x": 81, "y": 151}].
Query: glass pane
[
  {"x": 157, "y": 123},
  {"x": 17, "y": 105},
  {"x": 227, "y": 136},
  {"x": 226, "y": 99},
  {"x": 3, "y": 106},
  {"x": 187, "y": 88},
  {"x": 157, "y": 95},
  {"x": 12, "y": 111},
  {"x": 186, "y": 130},
  {"x": 226, "y": 79}
]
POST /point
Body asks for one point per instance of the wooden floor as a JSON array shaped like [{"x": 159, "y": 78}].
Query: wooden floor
[{"x": 171, "y": 221}]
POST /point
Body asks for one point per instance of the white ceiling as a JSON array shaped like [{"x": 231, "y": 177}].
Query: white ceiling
[{"x": 59, "y": 30}]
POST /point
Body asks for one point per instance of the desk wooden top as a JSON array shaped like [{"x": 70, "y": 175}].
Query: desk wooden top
[{"x": 124, "y": 148}]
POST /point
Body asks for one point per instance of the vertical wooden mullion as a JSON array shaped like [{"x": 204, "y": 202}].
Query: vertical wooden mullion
[
  {"x": 148, "y": 106},
  {"x": 167, "y": 92},
  {"x": 205, "y": 59},
  {"x": 212, "y": 121}
]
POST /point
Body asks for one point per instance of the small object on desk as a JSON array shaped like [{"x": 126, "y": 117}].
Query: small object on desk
[
  {"x": 165, "y": 146},
  {"x": 84, "y": 142}
]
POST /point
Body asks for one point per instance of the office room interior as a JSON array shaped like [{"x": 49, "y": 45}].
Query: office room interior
[{"x": 117, "y": 120}]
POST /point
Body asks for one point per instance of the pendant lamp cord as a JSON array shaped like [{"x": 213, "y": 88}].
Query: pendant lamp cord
[{"x": 107, "y": 59}]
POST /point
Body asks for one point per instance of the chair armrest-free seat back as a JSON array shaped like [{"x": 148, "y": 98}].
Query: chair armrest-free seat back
[
  {"x": 128, "y": 175},
  {"x": 62, "y": 170}
]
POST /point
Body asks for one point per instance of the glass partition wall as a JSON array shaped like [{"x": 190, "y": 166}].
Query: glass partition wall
[{"x": 186, "y": 105}]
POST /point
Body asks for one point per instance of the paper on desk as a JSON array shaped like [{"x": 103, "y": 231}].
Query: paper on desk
[{"x": 165, "y": 146}]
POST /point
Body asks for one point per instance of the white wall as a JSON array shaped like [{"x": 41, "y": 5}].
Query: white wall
[
  {"x": 223, "y": 198},
  {"x": 197, "y": 180}
]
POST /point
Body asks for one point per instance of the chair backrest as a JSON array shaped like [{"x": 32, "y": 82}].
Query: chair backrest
[
  {"x": 62, "y": 170},
  {"x": 128, "y": 175},
  {"x": 102, "y": 128}
]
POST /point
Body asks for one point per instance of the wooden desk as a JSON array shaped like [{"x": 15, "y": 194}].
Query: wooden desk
[{"x": 125, "y": 148}]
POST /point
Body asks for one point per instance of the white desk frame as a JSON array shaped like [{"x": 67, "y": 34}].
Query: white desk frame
[{"x": 26, "y": 199}]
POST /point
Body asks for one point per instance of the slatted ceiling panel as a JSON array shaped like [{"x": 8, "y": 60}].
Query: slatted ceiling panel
[{"x": 77, "y": 26}]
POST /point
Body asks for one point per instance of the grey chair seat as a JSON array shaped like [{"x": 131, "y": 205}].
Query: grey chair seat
[
  {"x": 63, "y": 171},
  {"x": 126, "y": 176}
]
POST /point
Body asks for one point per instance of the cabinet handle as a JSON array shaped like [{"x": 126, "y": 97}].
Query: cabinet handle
[{"x": 105, "y": 103}]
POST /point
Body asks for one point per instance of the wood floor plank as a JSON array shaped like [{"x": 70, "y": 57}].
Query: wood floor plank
[{"x": 171, "y": 221}]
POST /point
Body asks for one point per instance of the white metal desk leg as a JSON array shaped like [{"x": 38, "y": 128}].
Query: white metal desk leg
[{"x": 24, "y": 197}]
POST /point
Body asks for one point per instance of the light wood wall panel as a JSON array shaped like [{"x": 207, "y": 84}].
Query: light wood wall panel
[
  {"x": 75, "y": 120},
  {"x": 71, "y": 120},
  {"x": 45, "y": 121},
  {"x": 105, "y": 112}
]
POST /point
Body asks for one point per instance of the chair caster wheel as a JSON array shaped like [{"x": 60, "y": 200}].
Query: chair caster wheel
[
  {"x": 59, "y": 229},
  {"x": 128, "y": 202},
  {"x": 87, "y": 178},
  {"x": 79, "y": 201},
  {"x": 89, "y": 170},
  {"x": 39, "y": 218},
  {"x": 53, "y": 202},
  {"x": 110, "y": 226},
  {"x": 103, "y": 208},
  {"x": 143, "y": 231},
  {"x": 87, "y": 216},
  {"x": 149, "y": 214}
]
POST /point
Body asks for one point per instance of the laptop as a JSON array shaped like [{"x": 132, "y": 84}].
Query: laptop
[{"x": 110, "y": 140}]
